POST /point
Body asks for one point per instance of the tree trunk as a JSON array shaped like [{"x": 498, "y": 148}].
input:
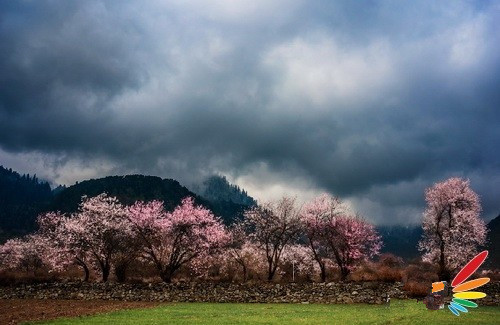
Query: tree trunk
[
  {"x": 121, "y": 272},
  {"x": 323, "y": 272},
  {"x": 166, "y": 277},
  {"x": 87, "y": 272},
  {"x": 270, "y": 272},
  {"x": 444, "y": 274},
  {"x": 105, "y": 272},
  {"x": 85, "y": 269},
  {"x": 244, "y": 272},
  {"x": 167, "y": 274},
  {"x": 344, "y": 272}
]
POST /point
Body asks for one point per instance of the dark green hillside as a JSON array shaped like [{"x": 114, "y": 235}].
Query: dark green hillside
[
  {"x": 218, "y": 188},
  {"x": 227, "y": 200},
  {"x": 127, "y": 189},
  {"x": 400, "y": 240},
  {"x": 493, "y": 244},
  {"x": 131, "y": 188},
  {"x": 22, "y": 197}
]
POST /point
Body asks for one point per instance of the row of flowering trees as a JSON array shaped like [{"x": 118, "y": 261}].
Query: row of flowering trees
[{"x": 106, "y": 236}]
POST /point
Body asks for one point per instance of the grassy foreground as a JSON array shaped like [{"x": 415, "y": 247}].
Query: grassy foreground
[{"x": 400, "y": 312}]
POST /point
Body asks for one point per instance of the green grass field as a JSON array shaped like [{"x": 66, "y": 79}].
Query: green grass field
[{"x": 400, "y": 312}]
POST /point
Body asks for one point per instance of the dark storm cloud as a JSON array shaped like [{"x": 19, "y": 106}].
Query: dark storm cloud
[{"x": 372, "y": 101}]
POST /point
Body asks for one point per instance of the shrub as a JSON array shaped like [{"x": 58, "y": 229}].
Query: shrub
[{"x": 417, "y": 289}]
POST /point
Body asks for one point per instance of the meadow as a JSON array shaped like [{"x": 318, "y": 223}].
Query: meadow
[{"x": 399, "y": 312}]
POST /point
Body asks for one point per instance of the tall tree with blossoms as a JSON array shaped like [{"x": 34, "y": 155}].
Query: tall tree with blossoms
[
  {"x": 103, "y": 230},
  {"x": 452, "y": 226},
  {"x": 315, "y": 217},
  {"x": 352, "y": 240},
  {"x": 65, "y": 245},
  {"x": 334, "y": 234},
  {"x": 187, "y": 235},
  {"x": 273, "y": 227}
]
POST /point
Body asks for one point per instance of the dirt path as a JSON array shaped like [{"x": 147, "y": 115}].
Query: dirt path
[{"x": 14, "y": 311}]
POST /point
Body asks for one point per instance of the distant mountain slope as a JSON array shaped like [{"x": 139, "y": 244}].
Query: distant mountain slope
[
  {"x": 493, "y": 245},
  {"x": 228, "y": 200},
  {"x": 22, "y": 197},
  {"x": 127, "y": 189},
  {"x": 401, "y": 241},
  {"x": 218, "y": 188}
]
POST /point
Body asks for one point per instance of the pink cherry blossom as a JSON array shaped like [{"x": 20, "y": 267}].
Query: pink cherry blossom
[
  {"x": 187, "y": 235},
  {"x": 333, "y": 233},
  {"x": 452, "y": 226},
  {"x": 25, "y": 253},
  {"x": 101, "y": 230}
]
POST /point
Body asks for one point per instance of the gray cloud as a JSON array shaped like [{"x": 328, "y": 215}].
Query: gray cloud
[{"x": 370, "y": 101}]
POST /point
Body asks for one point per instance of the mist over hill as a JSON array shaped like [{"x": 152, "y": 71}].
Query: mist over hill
[
  {"x": 227, "y": 199},
  {"x": 217, "y": 188}
]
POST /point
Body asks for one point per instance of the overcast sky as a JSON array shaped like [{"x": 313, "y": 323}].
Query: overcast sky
[{"x": 372, "y": 101}]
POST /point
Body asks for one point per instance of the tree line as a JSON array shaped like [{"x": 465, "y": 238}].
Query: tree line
[{"x": 322, "y": 235}]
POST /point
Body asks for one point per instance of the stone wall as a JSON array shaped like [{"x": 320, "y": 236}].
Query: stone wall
[{"x": 366, "y": 292}]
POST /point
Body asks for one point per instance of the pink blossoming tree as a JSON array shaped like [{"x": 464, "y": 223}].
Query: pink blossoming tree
[
  {"x": 101, "y": 228},
  {"x": 452, "y": 227},
  {"x": 23, "y": 253},
  {"x": 352, "y": 240},
  {"x": 65, "y": 246},
  {"x": 187, "y": 235},
  {"x": 315, "y": 216},
  {"x": 334, "y": 234},
  {"x": 273, "y": 227},
  {"x": 297, "y": 261}
]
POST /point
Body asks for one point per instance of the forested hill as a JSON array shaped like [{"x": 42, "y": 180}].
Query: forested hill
[
  {"x": 22, "y": 197},
  {"x": 127, "y": 189},
  {"x": 131, "y": 188},
  {"x": 228, "y": 200},
  {"x": 493, "y": 244},
  {"x": 218, "y": 188},
  {"x": 400, "y": 240}
]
